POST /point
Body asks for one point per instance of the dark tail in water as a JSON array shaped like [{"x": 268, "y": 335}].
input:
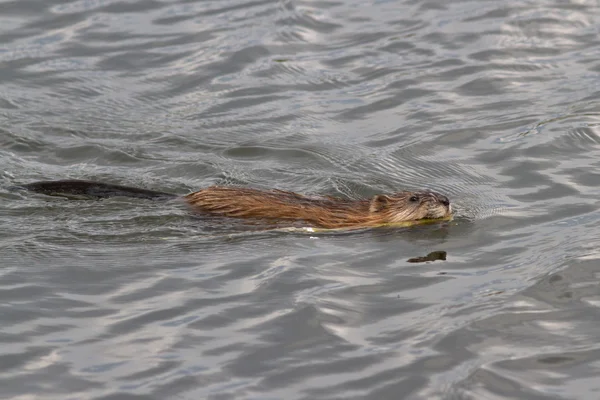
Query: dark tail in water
[{"x": 89, "y": 189}]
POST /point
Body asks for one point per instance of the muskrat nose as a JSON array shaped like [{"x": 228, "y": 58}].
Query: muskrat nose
[{"x": 444, "y": 200}]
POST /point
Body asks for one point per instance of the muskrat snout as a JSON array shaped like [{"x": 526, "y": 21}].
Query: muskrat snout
[
  {"x": 444, "y": 200},
  {"x": 441, "y": 207},
  {"x": 411, "y": 206}
]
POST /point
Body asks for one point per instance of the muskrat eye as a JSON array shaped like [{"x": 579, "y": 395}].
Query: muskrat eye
[{"x": 413, "y": 198}]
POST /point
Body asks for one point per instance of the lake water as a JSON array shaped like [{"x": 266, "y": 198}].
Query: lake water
[{"x": 495, "y": 104}]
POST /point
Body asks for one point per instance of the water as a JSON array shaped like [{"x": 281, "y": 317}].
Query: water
[{"x": 495, "y": 104}]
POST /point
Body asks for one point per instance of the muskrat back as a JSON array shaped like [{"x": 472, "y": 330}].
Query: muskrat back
[{"x": 328, "y": 212}]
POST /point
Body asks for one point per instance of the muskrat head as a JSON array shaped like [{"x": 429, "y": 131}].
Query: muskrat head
[{"x": 410, "y": 206}]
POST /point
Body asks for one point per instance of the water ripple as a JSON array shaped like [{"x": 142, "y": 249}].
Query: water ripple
[{"x": 495, "y": 105}]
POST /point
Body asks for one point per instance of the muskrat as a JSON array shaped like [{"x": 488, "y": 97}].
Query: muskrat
[{"x": 276, "y": 205}]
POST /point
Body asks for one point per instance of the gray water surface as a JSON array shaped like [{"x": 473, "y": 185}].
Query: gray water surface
[{"x": 496, "y": 104}]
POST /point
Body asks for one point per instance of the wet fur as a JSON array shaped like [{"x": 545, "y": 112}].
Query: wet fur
[
  {"x": 328, "y": 212},
  {"x": 275, "y": 205}
]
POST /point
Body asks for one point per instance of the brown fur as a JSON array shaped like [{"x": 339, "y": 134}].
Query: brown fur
[{"x": 328, "y": 212}]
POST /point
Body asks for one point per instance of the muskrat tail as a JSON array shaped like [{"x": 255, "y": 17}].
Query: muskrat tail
[{"x": 90, "y": 189}]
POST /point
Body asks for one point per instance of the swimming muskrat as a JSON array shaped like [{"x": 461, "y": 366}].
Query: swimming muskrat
[{"x": 276, "y": 205}]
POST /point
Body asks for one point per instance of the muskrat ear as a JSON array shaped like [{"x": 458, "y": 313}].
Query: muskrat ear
[{"x": 379, "y": 202}]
